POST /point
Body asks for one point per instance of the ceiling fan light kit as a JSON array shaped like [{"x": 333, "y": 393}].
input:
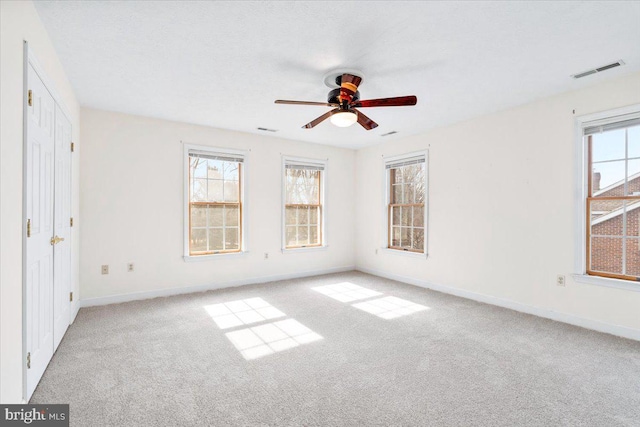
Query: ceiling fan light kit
[
  {"x": 345, "y": 97},
  {"x": 344, "y": 119}
]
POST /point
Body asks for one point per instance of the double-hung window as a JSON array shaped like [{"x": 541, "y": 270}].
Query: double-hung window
[
  {"x": 613, "y": 197},
  {"x": 215, "y": 196},
  {"x": 406, "y": 203},
  {"x": 303, "y": 213}
]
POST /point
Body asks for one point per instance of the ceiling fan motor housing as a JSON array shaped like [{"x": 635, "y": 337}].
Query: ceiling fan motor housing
[{"x": 333, "y": 97}]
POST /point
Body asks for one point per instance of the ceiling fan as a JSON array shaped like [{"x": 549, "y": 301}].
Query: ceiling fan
[{"x": 345, "y": 98}]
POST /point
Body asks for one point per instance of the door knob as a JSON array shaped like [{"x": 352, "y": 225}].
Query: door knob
[{"x": 55, "y": 240}]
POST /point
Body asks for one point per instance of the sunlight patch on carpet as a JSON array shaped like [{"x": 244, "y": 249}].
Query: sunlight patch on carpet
[
  {"x": 390, "y": 307},
  {"x": 242, "y": 312},
  {"x": 346, "y": 292},
  {"x": 270, "y": 338}
]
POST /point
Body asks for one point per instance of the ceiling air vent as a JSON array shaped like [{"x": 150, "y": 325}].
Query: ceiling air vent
[
  {"x": 598, "y": 70},
  {"x": 389, "y": 133},
  {"x": 267, "y": 130}
]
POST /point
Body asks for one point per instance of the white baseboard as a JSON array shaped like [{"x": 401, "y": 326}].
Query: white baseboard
[
  {"x": 621, "y": 331},
  {"x": 115, "y": 299},
  {"x": 75, "y": 308}
]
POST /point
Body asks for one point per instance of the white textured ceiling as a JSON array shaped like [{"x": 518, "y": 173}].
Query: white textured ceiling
[{"x": 222, "y": 64}]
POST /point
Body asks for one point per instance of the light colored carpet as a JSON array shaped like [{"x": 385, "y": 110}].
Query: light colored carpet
[{"x": 166, "y": 362}]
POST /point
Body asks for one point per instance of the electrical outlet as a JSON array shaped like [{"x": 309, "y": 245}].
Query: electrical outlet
[
  {"x": 266, "y": 255},
  {"x": 130, "y": 267},
  {"x": 105, "y": 269},
  {"x": 560, "y": 280}
]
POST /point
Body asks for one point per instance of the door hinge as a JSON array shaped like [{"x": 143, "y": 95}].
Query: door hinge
[
  {"x": 73, "y": 147},
  {"x": 70, "y": 296},
  {"x": 28, "y": 228},
  {"x": 30, "y": 97},
  {"x": 29, "y": 360},
  {"x": 71, "y": 222}
]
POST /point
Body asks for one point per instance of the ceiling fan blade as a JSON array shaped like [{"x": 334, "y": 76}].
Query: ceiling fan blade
[
  {"x": 398, "y": 101},
  {"x": 365, "y": 121},
  {"x": 320, "y": 119},
  {"x": 324, "y": 104}
]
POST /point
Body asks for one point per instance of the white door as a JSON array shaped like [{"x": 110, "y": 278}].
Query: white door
[
  {"x": 39, "y": 167},
  {"x": 62, "y": 228}
]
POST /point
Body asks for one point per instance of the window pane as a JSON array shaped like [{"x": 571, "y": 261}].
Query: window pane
[
  {"x": 633, "y": 178},
  {"x": 395, "y": 215},
  {"x": 230, "y": 171},
  {"x": 215, "y": 239},
  {"x": 291, "y": 215},
  {"x": 406, "y": 216},
  {"x": 199, "y": 190},
  {"x": 302, "y": 186},
  {"x": 291, "y": 236},
  {"x": 606, "y": 217},
  {"x": 419, "y": 192},
  {"x": 409, "y": 193},
  {"x": 215, "y": 215},
  {"x": 313, "y": 235},
  {"x": 198, "y": 216},
  {"x": 418, "y": 216},
  {"x": 396, "y": 176},
  {"x": 409, "y": 173},
  {"x": 231, "y": 191},
  {"x": 633, "y": 257},
  {"x": 313, "y": 215},
  {"x": 610, "y": 174},
  {"x": 606, "y": 254},
  {"x": 289, "y": 185},
  {"x": 634, "y": 141},
  {"x": 608, "y": 145},
  {"x": 395, "y": 236},
  {"x": 633, "y": 219},
  {"x": 215, "y": 191},
  {"x": 302, "y": 215},
  {"x": 405, "y": 237},
  {"x": 232, "y": 238},
  {"x": 418, "y": 238},
  {"x": 214, "y": 169},
  {"x": 198, "y": 240},
  {"x": 232, "y": 216},
  {"x": 303, "y": 235},
  {"x": 397, "y": 194},
  {"x": 198, "y": 167}
]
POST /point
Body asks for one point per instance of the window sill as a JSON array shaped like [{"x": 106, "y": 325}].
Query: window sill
[
  {"x": 309, "y": 249},
  {"x": 404, "y": 253},
  {"x": 211, "y": 257},
  {"x": 628, "y": 285}
]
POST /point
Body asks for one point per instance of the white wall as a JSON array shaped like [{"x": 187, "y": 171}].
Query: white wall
[
  {"x": 19, "y": 21},
  {"x": 132, "y": 207},
  {"x": 501, "y": 218}
]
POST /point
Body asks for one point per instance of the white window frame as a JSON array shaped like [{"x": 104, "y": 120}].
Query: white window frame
[
  {"x": 323, "y": 191},
  {"x": 580, "y": 205},
  {"x": 387, "y": 196},
  {"x": 185, "y": 201}
]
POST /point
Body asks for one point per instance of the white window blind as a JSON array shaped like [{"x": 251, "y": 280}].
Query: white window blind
[
  {"x": 225, "y": 157},
  {"x": 305, "y": 166},
  {"x": 405, "y": 162},
  {"x": 620, "y": 123}
]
